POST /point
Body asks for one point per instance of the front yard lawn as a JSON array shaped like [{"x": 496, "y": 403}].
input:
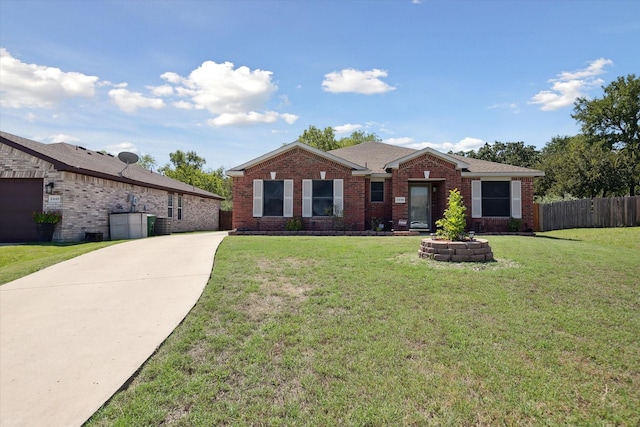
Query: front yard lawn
[
  {"x": 20, "y": 260},
  {"x": 359, "y": 331}
]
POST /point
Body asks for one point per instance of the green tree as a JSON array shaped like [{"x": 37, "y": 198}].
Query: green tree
[
  {"x": 147, "y": 161},
  {"x": 615, "y": 119},
  {"x": 323, "y": 139},
  {"x": 581, "y": 167},
  {"x": 358, "y": 137},
  {"x": 454, "y": 221},
  {"x": 512, "y": 153},
  {"x": 189, "y": 168}
]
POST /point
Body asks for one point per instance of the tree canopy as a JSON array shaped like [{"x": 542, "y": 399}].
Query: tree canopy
[
  {"x": 615, "y": 120},
  {"x": 325, "y": 139},
  {"x": 512, "y": 153},
  {"x": 189, "y": 168},
  {"x": 580, "y": 167}
]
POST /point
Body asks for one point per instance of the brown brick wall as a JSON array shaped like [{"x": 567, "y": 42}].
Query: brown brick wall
[
  {"x": 414, "y": 169},
  {"x": 298, "y": 164},
  {"x": 499, "y": 224}
]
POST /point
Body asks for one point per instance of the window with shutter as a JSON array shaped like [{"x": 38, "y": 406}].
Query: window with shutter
[
  {"x": 516, "y": 199},
  {"x": 257, "y": 197}
]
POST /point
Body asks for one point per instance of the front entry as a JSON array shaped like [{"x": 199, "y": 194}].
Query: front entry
[{"x": 420, "y": 206}]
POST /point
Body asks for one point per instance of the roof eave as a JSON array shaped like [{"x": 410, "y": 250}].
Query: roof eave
[
  {"x": 241, "y": 168},
  {"x": 428, "y": 150},
  {"x": 502, "y": 174}
]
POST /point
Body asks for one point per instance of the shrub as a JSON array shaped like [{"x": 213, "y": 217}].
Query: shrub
[
  {"x": 454, "y": 221},
  {"x": 514, "y": 225},
  {"x": 294, "y": 224},
  {"x": 46, "y": 217}
]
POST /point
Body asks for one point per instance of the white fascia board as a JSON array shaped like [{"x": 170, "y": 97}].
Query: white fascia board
[
  {"x": 356, "y": 168},
  {"x": 232, "y": 173},
  {"x": 396, "y": 163},
  {"x": 380, "y": 176}
]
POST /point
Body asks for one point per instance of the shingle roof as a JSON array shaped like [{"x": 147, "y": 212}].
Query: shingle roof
[
  {"x": 76, "y": 159},
  {"x": 375, "y": 155},
  {"x": 478, "y": 166},
  {"x": 372, "y": 155}
]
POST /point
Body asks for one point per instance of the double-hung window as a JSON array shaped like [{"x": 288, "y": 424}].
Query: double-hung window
[
  {"x": 179, "y": 207},
  {"x": 273, "y": 198},
  {"x": 496, "y": 199},
  {"x": 322, "y": 197},
  {"x": 170, "y": 205},
  {"x": 377, "y": 191}
]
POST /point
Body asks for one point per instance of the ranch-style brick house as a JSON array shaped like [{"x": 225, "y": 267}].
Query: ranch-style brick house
[
  {"x": 376, "y": 185},
  {"x": 89, "y": 188}
]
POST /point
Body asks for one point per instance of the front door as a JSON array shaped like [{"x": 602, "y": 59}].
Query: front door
[{"x": 420, "y": 206}]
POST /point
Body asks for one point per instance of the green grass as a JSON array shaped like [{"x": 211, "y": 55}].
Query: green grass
[
  {"x": 20, "y": 260},
  {"x": 359, "y": 331}
]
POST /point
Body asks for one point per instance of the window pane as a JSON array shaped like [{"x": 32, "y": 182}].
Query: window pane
[
  {"x": 377, "y": 191},
  {"x": 323, "y": 189},
  {"x": 496, "y": 198},
  {"x": 322, "y": 198},
  {"x": 322, "y": 207},
  {"x": 273, "y": 198}
]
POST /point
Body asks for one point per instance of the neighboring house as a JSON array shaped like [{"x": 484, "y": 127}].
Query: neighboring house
[
  {"x": 376, "y": 185},
  {"x": 86, "y": 186}
]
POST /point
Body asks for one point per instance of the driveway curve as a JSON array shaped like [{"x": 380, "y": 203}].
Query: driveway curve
[{"x": 72, "y": 334}]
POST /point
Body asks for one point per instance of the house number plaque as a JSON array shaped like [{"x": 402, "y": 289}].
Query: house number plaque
[{"x": 400, "y": 200}]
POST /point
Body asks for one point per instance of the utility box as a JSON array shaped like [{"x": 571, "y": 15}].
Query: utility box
[
  {"x": 128, "y": 225},
  {"x": 151, "y": 222}
]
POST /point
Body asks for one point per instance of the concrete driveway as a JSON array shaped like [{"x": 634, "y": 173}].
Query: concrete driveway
[{"x": 72, "y": 334}]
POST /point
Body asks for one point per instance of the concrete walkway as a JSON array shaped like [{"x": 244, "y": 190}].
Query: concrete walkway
[{"x": 72, "y": 334}]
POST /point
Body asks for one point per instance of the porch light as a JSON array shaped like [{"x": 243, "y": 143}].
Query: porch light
[
  {"x": 323, "y": 174},
  {"x": 273, "y": 175},
  {"x": 49, "y": 188}
]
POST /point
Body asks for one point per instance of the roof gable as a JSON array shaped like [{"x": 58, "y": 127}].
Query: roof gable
[
  {"x": 239, "y": 170},
  {"x": 430, "y": 151},
  {"x": 71, "y": 158}
]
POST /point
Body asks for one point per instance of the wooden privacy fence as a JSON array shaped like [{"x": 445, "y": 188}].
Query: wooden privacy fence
[
  {"x": 225, "y": 220},
  {"x": 586, "y": 213}
]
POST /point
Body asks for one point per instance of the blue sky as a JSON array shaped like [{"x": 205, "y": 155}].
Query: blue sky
[{"x": 232, "y": 80}]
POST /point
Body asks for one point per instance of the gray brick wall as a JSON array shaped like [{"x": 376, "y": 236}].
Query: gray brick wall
[{"x": 86, "y": 201}]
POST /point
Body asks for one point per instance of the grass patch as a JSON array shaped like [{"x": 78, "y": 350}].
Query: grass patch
[
  {"x": 20, "y": 260},
  {"x": 359, "y": 331}
]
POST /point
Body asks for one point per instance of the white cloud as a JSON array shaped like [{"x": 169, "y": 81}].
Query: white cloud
[
  {"x": 289, "y": 118},
  {"x": 464, "y": 144},
  {"x": 347, "y": 128},
  {"x": 569, "y": 86},
  {"x": 130, "y": 101},
  {"x": 183, "y": 105},
  {"x": 235, "y": 96},
  {"x": 404, "y": 141},
  {"x": 38, "y": 86},
  {"x": 164, "y": 90},
  {"x": 350, "y": 80},
  {"x": 64, "y": 138},
  {"x": 118, "y": 148},
  {"x": 250, "y": 118}
]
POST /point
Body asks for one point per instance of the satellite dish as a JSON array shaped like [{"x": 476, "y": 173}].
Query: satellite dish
[{"x": 128, "y": 158}]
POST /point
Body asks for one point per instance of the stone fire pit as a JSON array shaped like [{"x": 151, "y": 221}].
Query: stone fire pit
[{"x": 477, "y": 250}]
